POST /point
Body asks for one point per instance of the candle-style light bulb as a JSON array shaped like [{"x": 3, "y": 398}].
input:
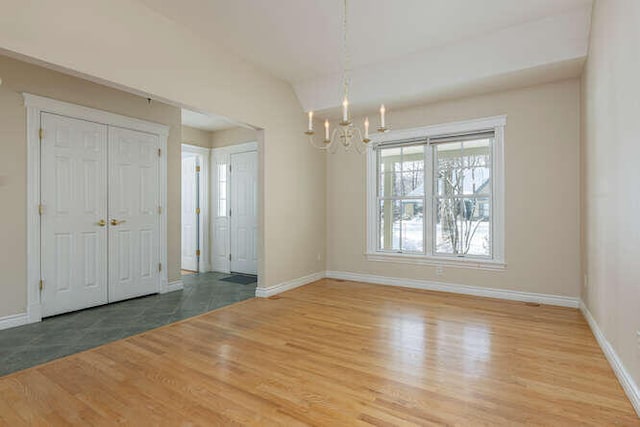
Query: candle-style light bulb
[
  {"x": 366, "y": 127},
  {"x": 310, "y": 120},
  {"x": 382, "y": 111},
  {"x": 326, "y": 129},
  {"x": 345, "y": 109}
]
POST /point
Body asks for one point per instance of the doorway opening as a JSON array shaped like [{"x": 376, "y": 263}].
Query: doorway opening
[{"x": 219, "y": 199}]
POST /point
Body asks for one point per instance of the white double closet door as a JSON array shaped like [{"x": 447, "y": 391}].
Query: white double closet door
[{"x": 100, "y": 218}]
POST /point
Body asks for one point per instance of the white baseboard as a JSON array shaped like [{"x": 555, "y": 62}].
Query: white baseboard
[
  {"x": 288, "y": 285},
  {"x": 13, "y": 320},
  {"x": 626, "y": 381},
  {"x": 559, "y": 300},
  {"x": 173, "y": 286}
]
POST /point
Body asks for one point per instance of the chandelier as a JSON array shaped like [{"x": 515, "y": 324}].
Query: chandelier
[{"x": 346, "y": 133}]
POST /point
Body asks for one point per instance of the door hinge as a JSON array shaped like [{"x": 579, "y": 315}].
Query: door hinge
[
  {"x": 229, "y": 212},
  {"x": 40, "y": 209},
  {"x": 198, "y": 252},
  {"x": 41, "y": 284},
  {"x": 197, "y": 168},
  {"x": 160, "y": 267},
  {"x": 229, "y": 167},
  {"x": 197, "y": 211},
  {"x": 159, "y": 152},
  {"x": 159, "y": 210},
  {"x": 41, "y": 134},
  {"x": 229, "y": 257}
]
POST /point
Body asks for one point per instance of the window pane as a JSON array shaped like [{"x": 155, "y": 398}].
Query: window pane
[
  {"x": 477, "y": 180},
  {"x": 390, "y": 225},
  {"x": 390, "y": 168},
  {"x": 463, "y": 226},
  {"x": 413, "y": 183},
  {"x": 464, "y": 168},
  {"x": 412, "y": 226},
  {"x": 222, "y": 207},
  {"x": 477, "y": 162},
  {"x": 401, "y": 171},
  {"x": 450, "y": 169},
  {"x": 477, "y": 152},
  {"x": 413, "y": 171},
  {"x": 222, "y": 190},
  {"x": 390, "y": 184},
  {"x": 480, "y": 240}
]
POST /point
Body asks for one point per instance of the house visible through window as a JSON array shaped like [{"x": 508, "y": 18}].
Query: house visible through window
[{"x": 439, "y": 195}]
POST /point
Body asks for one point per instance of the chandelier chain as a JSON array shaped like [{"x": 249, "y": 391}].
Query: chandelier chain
[
  {"x": 346, "y": 134},
  {"x": 345, "y": 50}
]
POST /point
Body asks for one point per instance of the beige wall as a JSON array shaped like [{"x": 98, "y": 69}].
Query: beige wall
[
  {"x": 233, "y": 136},
  {"x": 170, "y": 62},
  {"x": 542, "y": 239},
  {"x": 611, "y": 202},
  {"x": 193, "y": 136},
  {"x": 21, "y": 77}
]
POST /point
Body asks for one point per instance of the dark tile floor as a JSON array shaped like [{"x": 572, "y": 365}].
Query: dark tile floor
[{"x": 59, "y": 336}]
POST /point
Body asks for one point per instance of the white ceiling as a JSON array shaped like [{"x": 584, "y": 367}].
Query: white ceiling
[
  {"x": 210, "y": 122},
  {"x": 400, "y": 49}
]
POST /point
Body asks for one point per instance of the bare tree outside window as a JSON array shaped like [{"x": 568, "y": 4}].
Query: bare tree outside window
[{"x": 463, "y": 196}]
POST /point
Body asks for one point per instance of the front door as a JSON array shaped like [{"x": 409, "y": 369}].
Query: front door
[
  {"x": 189, "y": 215},
  {"x": 244, "y": 218}
]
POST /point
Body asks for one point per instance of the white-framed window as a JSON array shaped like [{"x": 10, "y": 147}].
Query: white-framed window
[{"x": 435, "y": 195}]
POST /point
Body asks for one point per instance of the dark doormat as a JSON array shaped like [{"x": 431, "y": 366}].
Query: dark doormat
[{"x": 241, "y": 279}]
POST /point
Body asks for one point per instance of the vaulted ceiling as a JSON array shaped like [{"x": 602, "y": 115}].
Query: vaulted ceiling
[{"x": 402, "y": 51}]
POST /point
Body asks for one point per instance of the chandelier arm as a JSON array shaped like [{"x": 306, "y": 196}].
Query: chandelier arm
[
  {"x": 361, "y": 146},
  {"x": 313, "y": 143}
]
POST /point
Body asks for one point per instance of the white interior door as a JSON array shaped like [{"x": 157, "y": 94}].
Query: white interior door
[
  {"x": 189, "y": 217},
  {"x": 74, "y": 200},
  {"x": 134, "y": 258},
  {"x": 244, "y": 218}
]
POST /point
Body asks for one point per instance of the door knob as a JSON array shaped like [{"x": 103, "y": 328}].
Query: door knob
[
  {"x": 102, "y": 223},
  {"x": 116, "y": 222}
]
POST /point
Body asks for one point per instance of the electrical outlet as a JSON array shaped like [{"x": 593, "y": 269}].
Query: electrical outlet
[{"x": 439, "y": 270}]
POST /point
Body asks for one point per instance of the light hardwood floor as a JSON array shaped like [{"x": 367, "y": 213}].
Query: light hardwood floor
[{"x": 336, "y": 353}]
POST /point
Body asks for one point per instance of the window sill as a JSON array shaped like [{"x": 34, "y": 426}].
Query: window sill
[{"x": 473, "y": 263}]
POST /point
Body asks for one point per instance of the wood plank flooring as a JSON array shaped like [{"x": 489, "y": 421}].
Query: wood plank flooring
[{"x": 336, "y": 353}]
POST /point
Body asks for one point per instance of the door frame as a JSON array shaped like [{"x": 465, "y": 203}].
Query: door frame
[
  {"x": 218, "y": 263},
  {"x": 204, "y": 155},
  {"x": 35, "y": 105}
]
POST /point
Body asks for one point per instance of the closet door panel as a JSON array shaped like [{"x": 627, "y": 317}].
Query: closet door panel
[
  {"x": 74, "y": 200},
  {"x": 133, "y": 214}
]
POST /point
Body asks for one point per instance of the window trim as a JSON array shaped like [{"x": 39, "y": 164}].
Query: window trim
[{"x": 497, "y": 124}]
